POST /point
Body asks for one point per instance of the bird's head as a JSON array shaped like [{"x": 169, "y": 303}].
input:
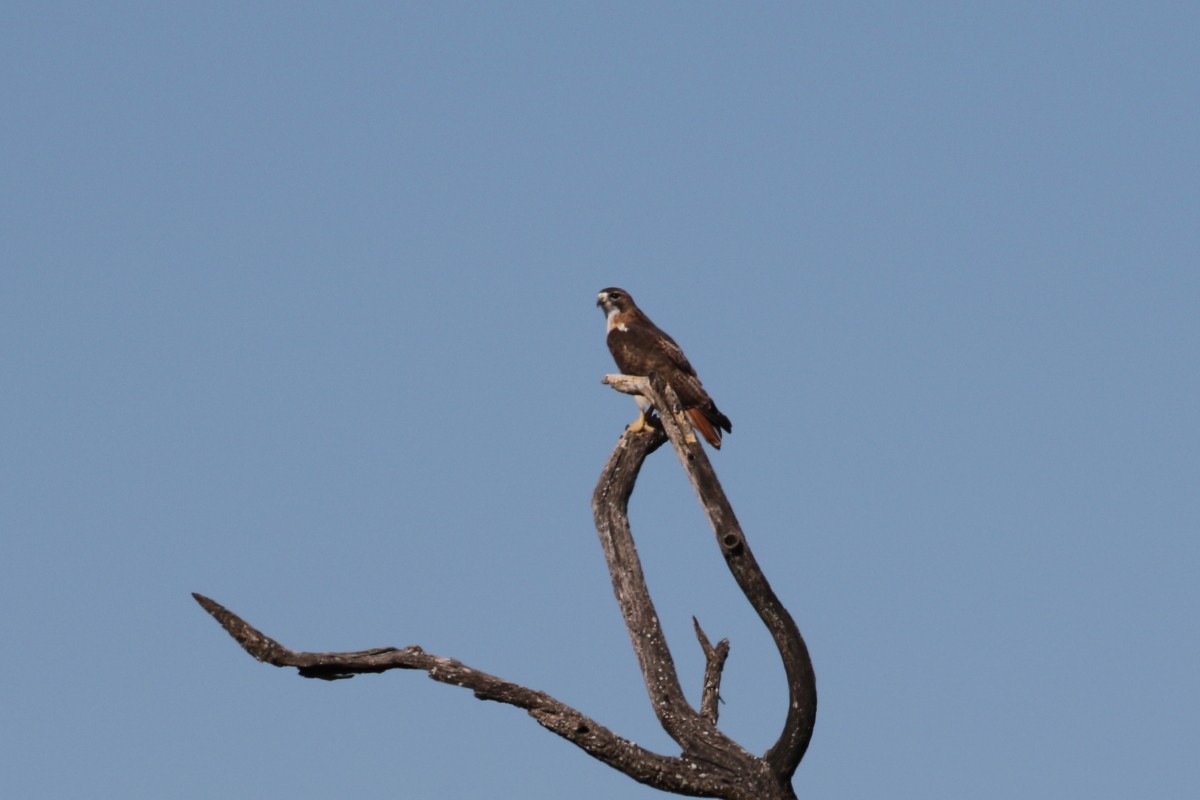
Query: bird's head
[{"x": 614, "y": 301}]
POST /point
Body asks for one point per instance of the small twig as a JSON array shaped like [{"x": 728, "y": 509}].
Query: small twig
[
  {"x": 714, "y": 664},
  {"x": 626, "y": 384}
]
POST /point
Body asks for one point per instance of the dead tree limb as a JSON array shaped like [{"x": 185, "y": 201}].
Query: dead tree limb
[
  {"x": 596, "y": 740},
  {"x": 784, "y": 756},
  {"x": 710, "y": 764}
]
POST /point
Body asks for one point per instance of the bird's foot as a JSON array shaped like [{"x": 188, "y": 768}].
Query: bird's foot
[{"x": 646, "y": 421}]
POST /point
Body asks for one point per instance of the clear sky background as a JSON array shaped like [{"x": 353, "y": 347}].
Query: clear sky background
[{"x": 297, "y": 311}]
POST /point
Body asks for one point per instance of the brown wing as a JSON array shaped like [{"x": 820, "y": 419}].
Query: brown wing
[
  {"x": 640, "y": 349},
  {"x": 643, "y": 348}
]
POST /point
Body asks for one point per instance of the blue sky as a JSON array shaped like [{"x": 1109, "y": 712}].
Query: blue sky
[{"x": 297, "y": 312}]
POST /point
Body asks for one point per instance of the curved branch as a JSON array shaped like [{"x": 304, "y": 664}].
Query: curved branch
[
  {"x": 685, "y": 775},
  {"x": 784, "y": 756},
  {"x": 610, "y": 502},
  {"x": 711, "y": 764}
]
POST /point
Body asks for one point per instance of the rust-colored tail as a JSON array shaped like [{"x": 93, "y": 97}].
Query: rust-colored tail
[{"x": 701, "y": 422}]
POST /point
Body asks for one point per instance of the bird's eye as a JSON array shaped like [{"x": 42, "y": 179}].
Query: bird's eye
[{"x": 614, "y": 295}]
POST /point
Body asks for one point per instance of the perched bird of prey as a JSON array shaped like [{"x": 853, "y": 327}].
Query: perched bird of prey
[{"x": 639, "y": 347}]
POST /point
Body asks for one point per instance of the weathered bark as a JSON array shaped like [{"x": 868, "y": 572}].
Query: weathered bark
[
  {"x": 789, "y": 748},
  {"x": 595, "y": 739},
  {"x": 710, "y": 764},
  {"x": 714, "y": 663}
]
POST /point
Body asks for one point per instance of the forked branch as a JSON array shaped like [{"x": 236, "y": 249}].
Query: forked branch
[
  {"x": 710, "y": 764},
  {"x": 784, "y": 756}
]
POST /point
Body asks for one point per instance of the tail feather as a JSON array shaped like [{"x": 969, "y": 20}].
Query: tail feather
[{"x": 702, "y": 423}]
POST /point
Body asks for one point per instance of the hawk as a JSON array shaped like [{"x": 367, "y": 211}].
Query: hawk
[{"x": 640, "y": 347}]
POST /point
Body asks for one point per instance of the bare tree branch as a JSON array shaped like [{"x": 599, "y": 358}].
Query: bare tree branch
[
  {"x": 785, "y": 754},
  {"x": 686, "y": 776},
  {"x": 610, "y": 507},
  {"x": 710, "y": 764}
]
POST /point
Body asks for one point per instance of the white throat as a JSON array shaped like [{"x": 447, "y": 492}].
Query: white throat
[{"x": 612, "y": 323}]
